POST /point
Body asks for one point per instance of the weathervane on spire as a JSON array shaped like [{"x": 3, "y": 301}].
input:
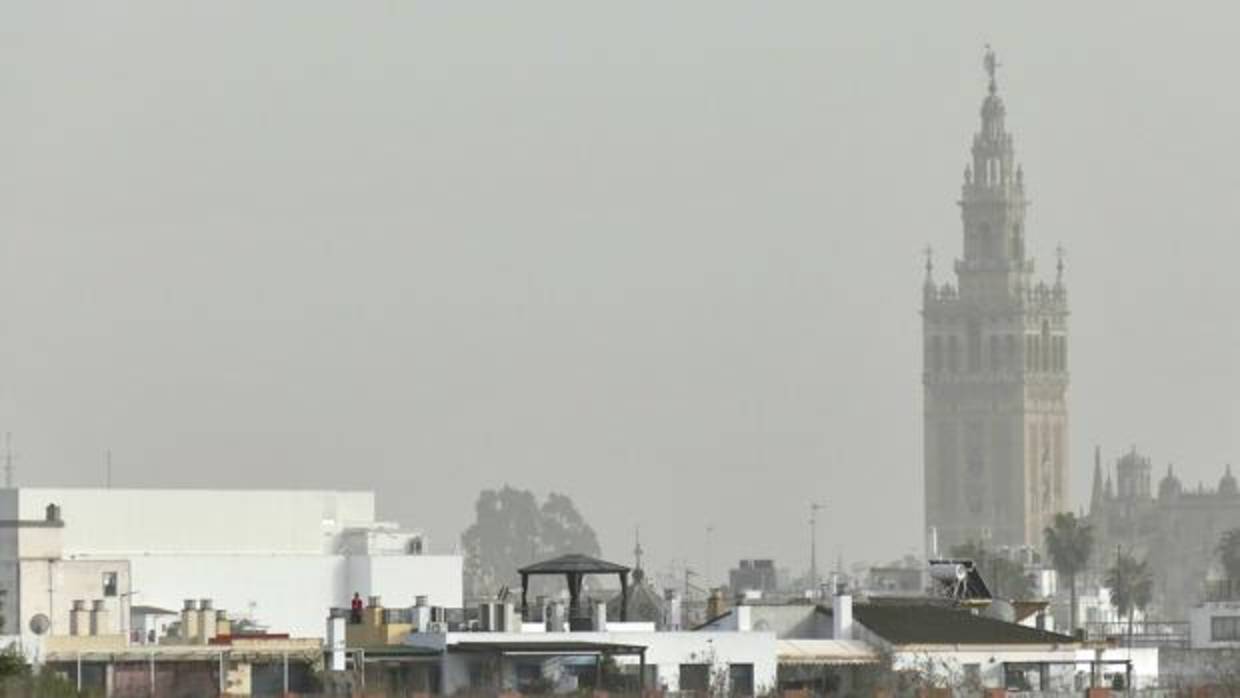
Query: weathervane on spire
[
  {"x": 1060, "y": 253},
  {"x": 991, "y": 64},
  {"x": 929, "y": 254}
]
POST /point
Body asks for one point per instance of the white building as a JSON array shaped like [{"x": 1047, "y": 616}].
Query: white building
[
  {"x": 1215, "y": 624},
  {"x": 281, "y": 557}
]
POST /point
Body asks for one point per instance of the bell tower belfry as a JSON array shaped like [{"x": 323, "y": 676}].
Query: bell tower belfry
[{"x": 995, "y": 363}]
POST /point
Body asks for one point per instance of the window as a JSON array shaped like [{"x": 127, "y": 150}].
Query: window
[
  {"x": 975, "y": 347},
  {"x": 109, "y": 584},
  {"x": 1225, "y": 629},
  {"x": 695, "y": 677},
  {"x": 740, "y": 679}
]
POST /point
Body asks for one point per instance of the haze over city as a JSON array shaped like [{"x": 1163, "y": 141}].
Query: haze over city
[{"x": 665, "y": 254}]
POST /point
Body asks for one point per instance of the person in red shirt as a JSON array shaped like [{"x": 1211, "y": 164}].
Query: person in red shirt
[{"x": 355, "y": 616}]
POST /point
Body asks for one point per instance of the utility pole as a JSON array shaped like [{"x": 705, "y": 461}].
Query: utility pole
[{"x": 813, "y": 545}]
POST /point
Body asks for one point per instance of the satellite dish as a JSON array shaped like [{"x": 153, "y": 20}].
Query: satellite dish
[{"x": 40, "y": 624}]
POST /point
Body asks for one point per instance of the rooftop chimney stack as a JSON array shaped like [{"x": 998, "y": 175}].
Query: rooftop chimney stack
[
  {"x": 206, "y": 621},
  {"x": 79, "y": 618},
  {"x": 841, "y": 615},
  {"x": 99, "y": 618},
  {"x": 189, "y": 621}
]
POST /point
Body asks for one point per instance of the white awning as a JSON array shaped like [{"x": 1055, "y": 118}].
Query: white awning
[{"x": 825, "y": 652}]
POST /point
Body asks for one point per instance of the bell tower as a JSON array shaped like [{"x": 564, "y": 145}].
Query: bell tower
[{"x": 995, "y": 363}]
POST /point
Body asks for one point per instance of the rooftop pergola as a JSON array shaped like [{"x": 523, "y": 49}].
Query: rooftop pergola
[{"x": 574, "y": 568}]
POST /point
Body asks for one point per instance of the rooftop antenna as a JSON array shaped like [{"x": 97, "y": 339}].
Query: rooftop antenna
[
  {"x": 814, "y": 507},
  {"x": 8, "y": 460},
  {"x": 710, "y": 530},
  {"x": 637, "y": 550}
]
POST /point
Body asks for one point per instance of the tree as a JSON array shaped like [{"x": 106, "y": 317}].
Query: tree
[
  {"x": 512, "y": 530},
  {"x": 1069, "y": 543},
  {"x": 1229, "y": 554},
  {"x": 1006, "y": 578},
  {"x": 1132, "y": 587}
]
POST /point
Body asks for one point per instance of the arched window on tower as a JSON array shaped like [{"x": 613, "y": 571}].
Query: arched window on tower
[
  {"x": 1046, "y": 346},
  {"x": 986, "y": 240},
  {"x": 975, "y": 347}
]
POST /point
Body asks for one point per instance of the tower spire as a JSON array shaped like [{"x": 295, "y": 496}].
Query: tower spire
[
  {"x": 1096, "y": 495},
  {"x": 991, "y": 63}
]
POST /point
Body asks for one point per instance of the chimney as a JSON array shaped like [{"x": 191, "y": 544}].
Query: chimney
[
  {"x": 189, "y": 621},
  {"x": 79, "y": 618},
  {"x": 335, "y": 643},
  {"x": 600, "y": 616},
  {"x": 374, "y": 611},
  {"x": 673, "y": 620},
  {"x": 841, "y": 615},
  {"x": 716, "y": 604},
  {"x": 744, "y": 618},
  {"x": 99, "y": 618},
  {"x": 511, "y": 618},
  {"x": 555, "y": 617},
  {"x": 487, "y": 622},
  {"x": 421, "y": 614},
  {"x": 53, "y": 513},
  {"x": 206, "y": 621},
  {"x": 223, "y": 626}
]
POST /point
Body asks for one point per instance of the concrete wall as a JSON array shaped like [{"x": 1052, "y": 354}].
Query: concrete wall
[
  {"x": 1199, "y": 619},
  {"x": 288, "y": 593},
  {"x": 111, "y": 521},
  {"x": 1145, "y": 671},
  {"x": 400, "y": 578},
  {"x": 788, "y": 621},
  {"x": 50, "y": 587},
  {"x": 666, "y": 650},
  {"x": 293, "y": 593},
  {"x": 950, "y": 663}
]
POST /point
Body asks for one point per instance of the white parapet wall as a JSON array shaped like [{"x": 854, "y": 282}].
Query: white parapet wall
[
  {"x": 666, "y": 652},
  {"x": 283, "y": 558},
  {"x": 102, "y": 521}
]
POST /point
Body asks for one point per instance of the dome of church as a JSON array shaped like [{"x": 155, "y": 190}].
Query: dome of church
[
  {"x": 1227, "y": 485},
  {"x": 1169, "y": 486}
]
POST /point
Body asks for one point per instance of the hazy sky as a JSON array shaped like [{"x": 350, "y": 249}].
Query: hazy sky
[{"x": 660, "y": 256}]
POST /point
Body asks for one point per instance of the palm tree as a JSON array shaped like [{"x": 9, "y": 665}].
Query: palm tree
[
  {"x": 1069, "y": 543},
  {"x": 1132, "y": 587},
  {"x": 1229, "y": 554}
]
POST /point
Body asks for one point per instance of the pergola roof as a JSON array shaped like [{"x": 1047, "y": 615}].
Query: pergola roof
[
  {"x": 573, "y": 564},
  {"x": 541, "y": 646}
]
